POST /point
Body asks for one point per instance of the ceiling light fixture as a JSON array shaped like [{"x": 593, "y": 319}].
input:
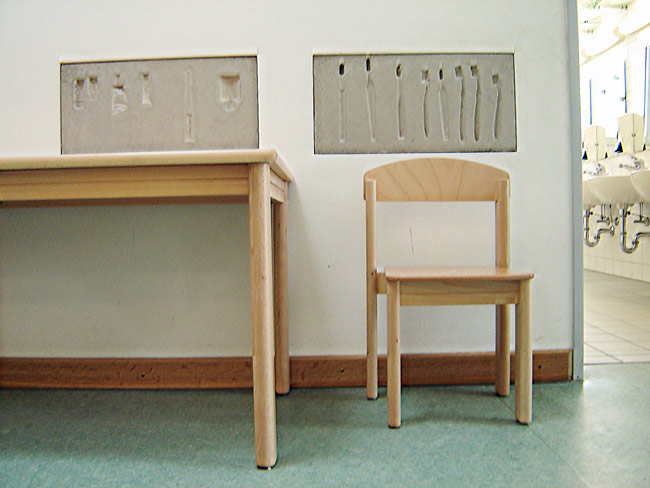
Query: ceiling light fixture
[{"x": 638, "y": 17}]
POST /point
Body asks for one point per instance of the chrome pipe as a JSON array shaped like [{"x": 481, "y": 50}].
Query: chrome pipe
[
  {"x": 637, "y": 236},
  {"x": 624, "y": 247},
  {"x": 592, "y": 243},
  {"x": 625, "y": 212}
]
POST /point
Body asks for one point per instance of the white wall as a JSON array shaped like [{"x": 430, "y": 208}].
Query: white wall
[{"x": 173, "y": 281}]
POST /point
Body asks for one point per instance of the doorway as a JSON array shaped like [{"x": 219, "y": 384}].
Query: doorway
[{"x": 614, "y": 36}]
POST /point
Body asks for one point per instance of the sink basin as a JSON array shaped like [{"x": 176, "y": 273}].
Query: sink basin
[
  {"x": 641, "y": 182},
  {"x": 615, "y": 189},
  {"x": 589, "y": 198}
]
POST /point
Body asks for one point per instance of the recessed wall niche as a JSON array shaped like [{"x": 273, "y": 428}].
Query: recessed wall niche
[
  {"x": 380, "y": 103},
  {"x": 159, "y": 104}
]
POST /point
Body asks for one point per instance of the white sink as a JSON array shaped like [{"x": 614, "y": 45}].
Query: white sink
[
  {"x": 641, "y": 182},
  {"x": 615, "y": 189},
  {"x": 589, "y": 198}
]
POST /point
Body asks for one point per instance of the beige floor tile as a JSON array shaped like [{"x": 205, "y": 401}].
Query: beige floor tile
[
  {"x": 633, "y": 335},
  {"x": 598, "y": 338},
  {"x": 618, "y": 326},
  {"x": 617, "y": 348},
  {"x": 602, "y": 359},
  {"x": 594, "y": 341},
  {"x": 596, "y": 333},
  {"x": 591, "y": 327},
  {"x": 634, "y": 358},
  {"x": 608, "y": 321},
  {"x": 591, "y": 350},
  {"x": 632, "y": 319},
  {"x": 617, "y": 317},
  {"x": 591, "y": 315}
]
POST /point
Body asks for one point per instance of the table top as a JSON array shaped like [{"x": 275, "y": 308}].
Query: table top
[{"x": 166, "y": 158}]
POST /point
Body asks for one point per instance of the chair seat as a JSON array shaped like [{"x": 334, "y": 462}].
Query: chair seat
[
  {"x": 454, "y": 273},
  {"x": 454, "y": 285}
]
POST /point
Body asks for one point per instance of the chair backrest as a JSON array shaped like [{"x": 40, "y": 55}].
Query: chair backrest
[
  {"x": 439, "y": 180},
  {"x": 436, "y": 180}
]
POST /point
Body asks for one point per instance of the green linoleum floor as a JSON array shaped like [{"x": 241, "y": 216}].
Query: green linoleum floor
[{"x": 595, "y": 433}]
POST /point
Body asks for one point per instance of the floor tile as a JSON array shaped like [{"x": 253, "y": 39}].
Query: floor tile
[
  {"x": 592, "y": 329},
  {"x": 618, "y": 326},
  {"x": 601, "y": 359},
  {"x": 592, "y": 313},
  {"x": 617, "y": 316},
  {"x": 607, "y": 321},
  {"x": 612, "y": 398},
  {"x": 598, "y": 335},
  {"x": 593, "y": 339},
  {"x": 454, "y": 436},
  {"x": 634, "y": 358},
  {"x": 632, "y": 335},
  {"x": 619, "y": 347}
]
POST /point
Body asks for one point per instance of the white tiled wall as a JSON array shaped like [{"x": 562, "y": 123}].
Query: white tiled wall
[{"x": 607, "y": 256}]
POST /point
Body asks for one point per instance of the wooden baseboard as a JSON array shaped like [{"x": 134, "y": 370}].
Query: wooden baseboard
[{"x": 306, "y": 371}]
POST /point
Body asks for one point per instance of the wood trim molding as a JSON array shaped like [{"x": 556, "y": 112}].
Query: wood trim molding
[{"x": 306, "y": 371}]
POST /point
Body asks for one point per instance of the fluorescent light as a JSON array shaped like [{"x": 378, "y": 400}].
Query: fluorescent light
[
  {"x": 638, "y": 16},
  {"x": 605, "y": 35},
  {"x": 599, "y": 42}
]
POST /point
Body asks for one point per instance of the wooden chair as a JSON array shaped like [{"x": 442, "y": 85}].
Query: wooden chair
[{"x": 445, "y": 180}]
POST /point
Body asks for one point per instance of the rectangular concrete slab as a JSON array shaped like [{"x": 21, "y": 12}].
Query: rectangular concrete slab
[
  {"x": 159, "y": 105},
  {"x": 381, "y": 103}
]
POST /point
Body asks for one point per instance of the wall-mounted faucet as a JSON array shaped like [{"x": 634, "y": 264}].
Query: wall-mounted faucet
[
  {"x": 636, "y": 164},
  {"x": 599, "y": 169}
]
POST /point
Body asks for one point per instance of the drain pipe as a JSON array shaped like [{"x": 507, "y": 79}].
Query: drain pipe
[
  {"x": 625, "y": 212},
  {"x": 611, "y": 229}
]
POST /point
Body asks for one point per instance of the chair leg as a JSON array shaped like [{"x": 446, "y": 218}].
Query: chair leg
[
  {"x": 523, "y": 357},
  {"x": 394, "y": 373},
  {"x": 502, "y": 380},
  {"x": 371, "y": 344}
]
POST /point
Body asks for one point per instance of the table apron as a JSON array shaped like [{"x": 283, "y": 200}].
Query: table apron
[{"x": 148, "y": 183}]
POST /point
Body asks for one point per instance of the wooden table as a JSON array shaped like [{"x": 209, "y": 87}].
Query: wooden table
[{"x": 258, "y": 177}]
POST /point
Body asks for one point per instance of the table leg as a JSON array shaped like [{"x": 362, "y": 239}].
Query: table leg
[
  {"x": 280, "y": 298},
  {"x": 371, "y": 290},
  {"x": 262, "y": 315}
]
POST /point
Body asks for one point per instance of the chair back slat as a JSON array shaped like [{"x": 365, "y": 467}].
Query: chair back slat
[{"x": 436, "y": 180}]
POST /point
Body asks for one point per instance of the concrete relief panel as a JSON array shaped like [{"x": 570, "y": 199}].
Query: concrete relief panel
[
  {"x": 382, "y": 103},
  {"x": 159, "y": 105}
]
